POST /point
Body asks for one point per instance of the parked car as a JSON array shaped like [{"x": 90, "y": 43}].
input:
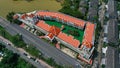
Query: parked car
[
  {"x": 8, "y": 44},
  {"x": 37, "y": 61},
  {"x": 25, "y": 54},
  {"x": 33, "y": 58},
  {"x": 28, "y": 56}
]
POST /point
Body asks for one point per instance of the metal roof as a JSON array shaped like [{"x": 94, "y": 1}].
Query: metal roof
[
  {"x": 113, "y": 34},
  {"x": 112, "y": 58}
]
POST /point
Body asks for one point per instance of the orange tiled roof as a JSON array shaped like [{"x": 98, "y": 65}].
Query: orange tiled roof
[
  {"x": 31, "y": 15},
  {"x": 63, "y": 17},
  {"x": 88, "y": 35},
  {"x": 50, "y": 35},
  {"x": 69, "y": 39},
  {"x": 43, "y": 25},
  {"x": 23, "y": 16},
  {"x": 26, "y": 15},
  {"x": 54, "y": 30}
]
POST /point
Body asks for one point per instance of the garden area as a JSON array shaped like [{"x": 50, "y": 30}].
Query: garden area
[{"x": 77, "y": 33}]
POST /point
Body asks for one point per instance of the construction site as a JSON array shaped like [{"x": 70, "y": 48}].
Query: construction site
[{"x": 72, "y": 35}]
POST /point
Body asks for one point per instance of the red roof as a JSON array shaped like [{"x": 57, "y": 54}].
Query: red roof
[
  {"x": 23, "y": 16},
  {"x": 89, "y": 29},
  {"x": 69, "y": 39},
  {"x": 50, "y": 35},
  {"x": 31, "y": 15},
  {"x": 54, "y": 30},
  {"x": 43, "y": 25},
  {"x": 61, "y": 16},
  {"x": 88, "y": 35}
]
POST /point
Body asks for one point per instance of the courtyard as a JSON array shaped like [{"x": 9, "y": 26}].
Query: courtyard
[{"x": 67, "y": 28}]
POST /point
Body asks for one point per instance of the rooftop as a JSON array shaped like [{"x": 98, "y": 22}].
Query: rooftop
[
  {"x": 112, "y": 11},
  {"x": 69, "y": 39},
  {"x": 93, "y": 9},
  {"x": 54, "y": 30},
  {"x": 112, "y": 58},
  {"x": 113, "y": 34},
  {"x": 43, "y": 25},
  {"x": 61, "y": 16},
  {"x": 89, "y": 35}
]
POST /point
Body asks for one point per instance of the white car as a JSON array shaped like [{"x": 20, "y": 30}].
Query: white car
[{"x": 28, "y": 56}]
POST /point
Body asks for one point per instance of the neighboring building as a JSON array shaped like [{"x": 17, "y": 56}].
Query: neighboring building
[
  {"x": 113, "y": 33},
  {"x": 112, "y": 58},
  {"x": 83, "y": 7},
  {"x": 93, "y": 10},
  {"x": 85, "y": 49},
  {"x": 112, "y": 36},
  {"x": 112, "y": 9},
  {"x": 111, "y": 30}
]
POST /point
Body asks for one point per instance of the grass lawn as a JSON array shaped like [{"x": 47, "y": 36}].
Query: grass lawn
[
  {"x": 81, "y": 32},
  {"x": 6, "y": 34},
  {"x": 24, "y": 6}
]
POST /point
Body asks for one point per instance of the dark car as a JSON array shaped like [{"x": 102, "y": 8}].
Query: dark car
[
  {"x": 25, "y": 54},
  {"x": 33, "y": 58}
]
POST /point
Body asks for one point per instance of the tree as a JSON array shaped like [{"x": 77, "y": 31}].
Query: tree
[
  {"x": 10, "y": 18},
  {"x": 103, "y": 66},
  {"x": 69, "y": 11},
  {"x": 67, "y": 8},
  {"x": 17, "y": 21},
  {"x": 1, "y": 46},
  {"x": 9, "y": 60},
  {"x": 18, "y": 41},
  {"x": 3, "y": 33},
  {"x": 32, "y": 50},
  {"x": 12, "y": 60}
]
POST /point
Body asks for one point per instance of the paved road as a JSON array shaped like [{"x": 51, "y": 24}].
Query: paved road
[
  {"x": 44, "y": 47},
  {"x": 22, "y": 55}
]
